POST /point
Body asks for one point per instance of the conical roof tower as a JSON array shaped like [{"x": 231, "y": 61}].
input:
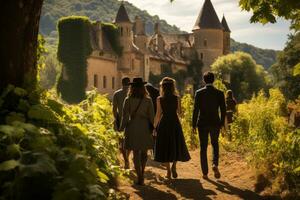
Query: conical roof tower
[
  {"x": 207, "y": 18},
  {"x": 122, "y": 15},
  {"x": 225, "y": 25}
]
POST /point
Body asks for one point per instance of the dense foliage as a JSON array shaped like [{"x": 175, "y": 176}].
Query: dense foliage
[
  {"x": 268, "y": 11},
  {"x": 262, "y": 131},
  {"x": 187, "y": 106},
  {"x": 49, "y": 71},
  {"x": 111, "y": 31},
  {"x": 246, "y": 77},
  {"x": 73, "y": 50},
  {"x": 54, "y": 151},
  {"x": 284, "y": 70},
  {"x": 264, "y": 57}
]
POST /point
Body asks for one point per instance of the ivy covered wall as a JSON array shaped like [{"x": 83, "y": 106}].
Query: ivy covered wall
[
  {"x": 111, "y": 31},
  {"x": 74, "y": 47}
]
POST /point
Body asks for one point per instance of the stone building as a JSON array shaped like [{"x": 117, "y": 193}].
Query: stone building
[{"x": 143, "y": 54}]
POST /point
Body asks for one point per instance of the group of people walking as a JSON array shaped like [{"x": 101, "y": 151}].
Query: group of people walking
[{"x": 150, "y": 120}]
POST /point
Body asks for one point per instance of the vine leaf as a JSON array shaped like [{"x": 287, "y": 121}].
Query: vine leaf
[{"x": 9, "y": 165}]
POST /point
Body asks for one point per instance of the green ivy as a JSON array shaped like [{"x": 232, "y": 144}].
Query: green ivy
[
  {"x": 74, "y": 47},
  {"x": 111, "y": 31}
]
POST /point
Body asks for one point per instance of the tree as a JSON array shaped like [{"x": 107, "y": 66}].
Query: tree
[
  {"x": 19, "y": 33},
  {"x": 48, "y": 73},
  {"x": 284, "y": 72},
  {"x": 267, "y": 11},
  {"x": 246, "y": 77}
]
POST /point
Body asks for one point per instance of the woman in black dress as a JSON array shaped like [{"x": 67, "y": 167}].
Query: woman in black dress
[{"x": 170, "y": 143}]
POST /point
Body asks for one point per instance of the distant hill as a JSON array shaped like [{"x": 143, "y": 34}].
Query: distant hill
[
  {"x": 264, "y": 57},
  {"x": 105, "y": 10}
]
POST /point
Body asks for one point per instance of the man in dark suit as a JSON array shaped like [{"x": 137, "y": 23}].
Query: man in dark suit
[
  {"x": 118, "y": 101},
  {"x": 208, "y": 102}
]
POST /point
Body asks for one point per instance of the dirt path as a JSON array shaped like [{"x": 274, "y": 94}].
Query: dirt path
[{"x": 237, "y": 181}]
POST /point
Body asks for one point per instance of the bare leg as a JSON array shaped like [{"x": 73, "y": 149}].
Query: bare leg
[
  {"x": 174, "y": 172},
  {"x": 137, "y": 165}
]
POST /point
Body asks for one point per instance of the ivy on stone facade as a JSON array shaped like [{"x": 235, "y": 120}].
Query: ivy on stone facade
[{"x": 74, "y": 47}]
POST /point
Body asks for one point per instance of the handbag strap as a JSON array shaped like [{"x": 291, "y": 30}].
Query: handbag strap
[{"x": 135, "y": 111}]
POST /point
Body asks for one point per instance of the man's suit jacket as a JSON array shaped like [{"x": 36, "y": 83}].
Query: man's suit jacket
[{"x": 208, "y": 101}]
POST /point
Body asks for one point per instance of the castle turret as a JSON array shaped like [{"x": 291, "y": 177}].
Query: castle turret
[
  {"x": 160, "y": 43},
  {"x": 208, "y": 35},
  {"x": 226, "y": 36},
  {"x": 140, "y": 38},
  {"x": 125, "y": 26}
]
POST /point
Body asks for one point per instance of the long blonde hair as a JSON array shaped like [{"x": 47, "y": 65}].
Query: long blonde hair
[{"x": 168, "y": 87}]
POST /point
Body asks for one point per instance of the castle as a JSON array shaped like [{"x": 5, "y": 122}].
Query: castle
[{"x": 143, "y": 54}]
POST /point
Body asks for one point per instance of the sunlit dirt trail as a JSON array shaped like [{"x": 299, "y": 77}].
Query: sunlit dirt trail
[{"x": 237, "y": 181}]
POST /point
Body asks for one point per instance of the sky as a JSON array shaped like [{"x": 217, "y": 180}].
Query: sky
[{"x": 183, "y": 14}]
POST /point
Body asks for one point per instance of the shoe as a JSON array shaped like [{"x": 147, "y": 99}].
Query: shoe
[
  {"x": 205, "y": 176},
  {"x": 168, "y": 176},
  {"x": 174, "y": 173},
  {"x": 216, "y": 172}
]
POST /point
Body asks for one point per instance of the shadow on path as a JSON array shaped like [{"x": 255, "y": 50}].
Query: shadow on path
[
  {"x": 190, "y": 189},
  {"x": 225, "y": 187},
  {"x": 148, "y": 192}
]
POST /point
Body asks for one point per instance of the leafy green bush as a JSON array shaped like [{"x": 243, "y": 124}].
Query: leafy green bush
[
  {"x": 187, "y": 105},
  {"x": 74, "y": 47},
  {"x": 261, "y": 129},
  {"x": 54, "y": 151}
]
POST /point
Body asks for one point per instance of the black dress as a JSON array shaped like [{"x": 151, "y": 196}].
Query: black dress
[{"x": 170, "y": 144}]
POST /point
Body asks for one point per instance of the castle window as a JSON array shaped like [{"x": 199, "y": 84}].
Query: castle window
[
  {"x": 104, "y": 81},
  {"x": 95, "y": 80},
  {"x": 201, "y": 56},
  {"x": 121, "y": 31},
  {"x": 205, "y": 42},
  {"x": 132, "y": 64},
  {"x": 113, "y": 82}
]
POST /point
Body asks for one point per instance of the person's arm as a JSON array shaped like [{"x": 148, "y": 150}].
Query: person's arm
[
  {"x": 151, "y": 111},
  {"x": 222, "y": 108},
  {"x": 179, "y": 106},
  {"x": 115, "y": 113},
  {"x": 158, "y": 112},
  {"x": 115, "y": 106},
  {"x": 125, "y": 116},
  {"x": 196, "y": 110}
]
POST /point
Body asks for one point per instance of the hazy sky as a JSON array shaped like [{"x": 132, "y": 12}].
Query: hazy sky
[{"x": 183, "y": 13}]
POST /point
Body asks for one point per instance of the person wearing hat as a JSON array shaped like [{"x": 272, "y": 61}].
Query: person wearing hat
[
  {"x": 118, "y": 100},
  {"x": 137, "y": 120}
]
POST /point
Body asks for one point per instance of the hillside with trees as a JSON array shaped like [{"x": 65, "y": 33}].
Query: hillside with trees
[
  {"x": 264, "y": 57},
  {"x": 105, "y": 10}
]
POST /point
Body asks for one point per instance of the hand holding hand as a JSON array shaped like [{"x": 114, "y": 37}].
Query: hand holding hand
[
  {"x": 154, "y": 133},
  {"x": 194, "y": 130}
]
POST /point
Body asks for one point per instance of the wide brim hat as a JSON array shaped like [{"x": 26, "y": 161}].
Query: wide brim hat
[{"x": 137, "y": 82}]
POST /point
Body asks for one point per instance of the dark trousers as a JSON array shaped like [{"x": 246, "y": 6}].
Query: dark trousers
[{"x": 214, "y": 138}]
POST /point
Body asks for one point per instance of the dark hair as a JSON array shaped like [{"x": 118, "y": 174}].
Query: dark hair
[
  {"x": 229, "y": 94},
  {"x": 137, "y": 91},
  {"x": 208, "y": 77},
  {"x": 125, "y": 81},
  {"x": 168, "y": 87}
]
